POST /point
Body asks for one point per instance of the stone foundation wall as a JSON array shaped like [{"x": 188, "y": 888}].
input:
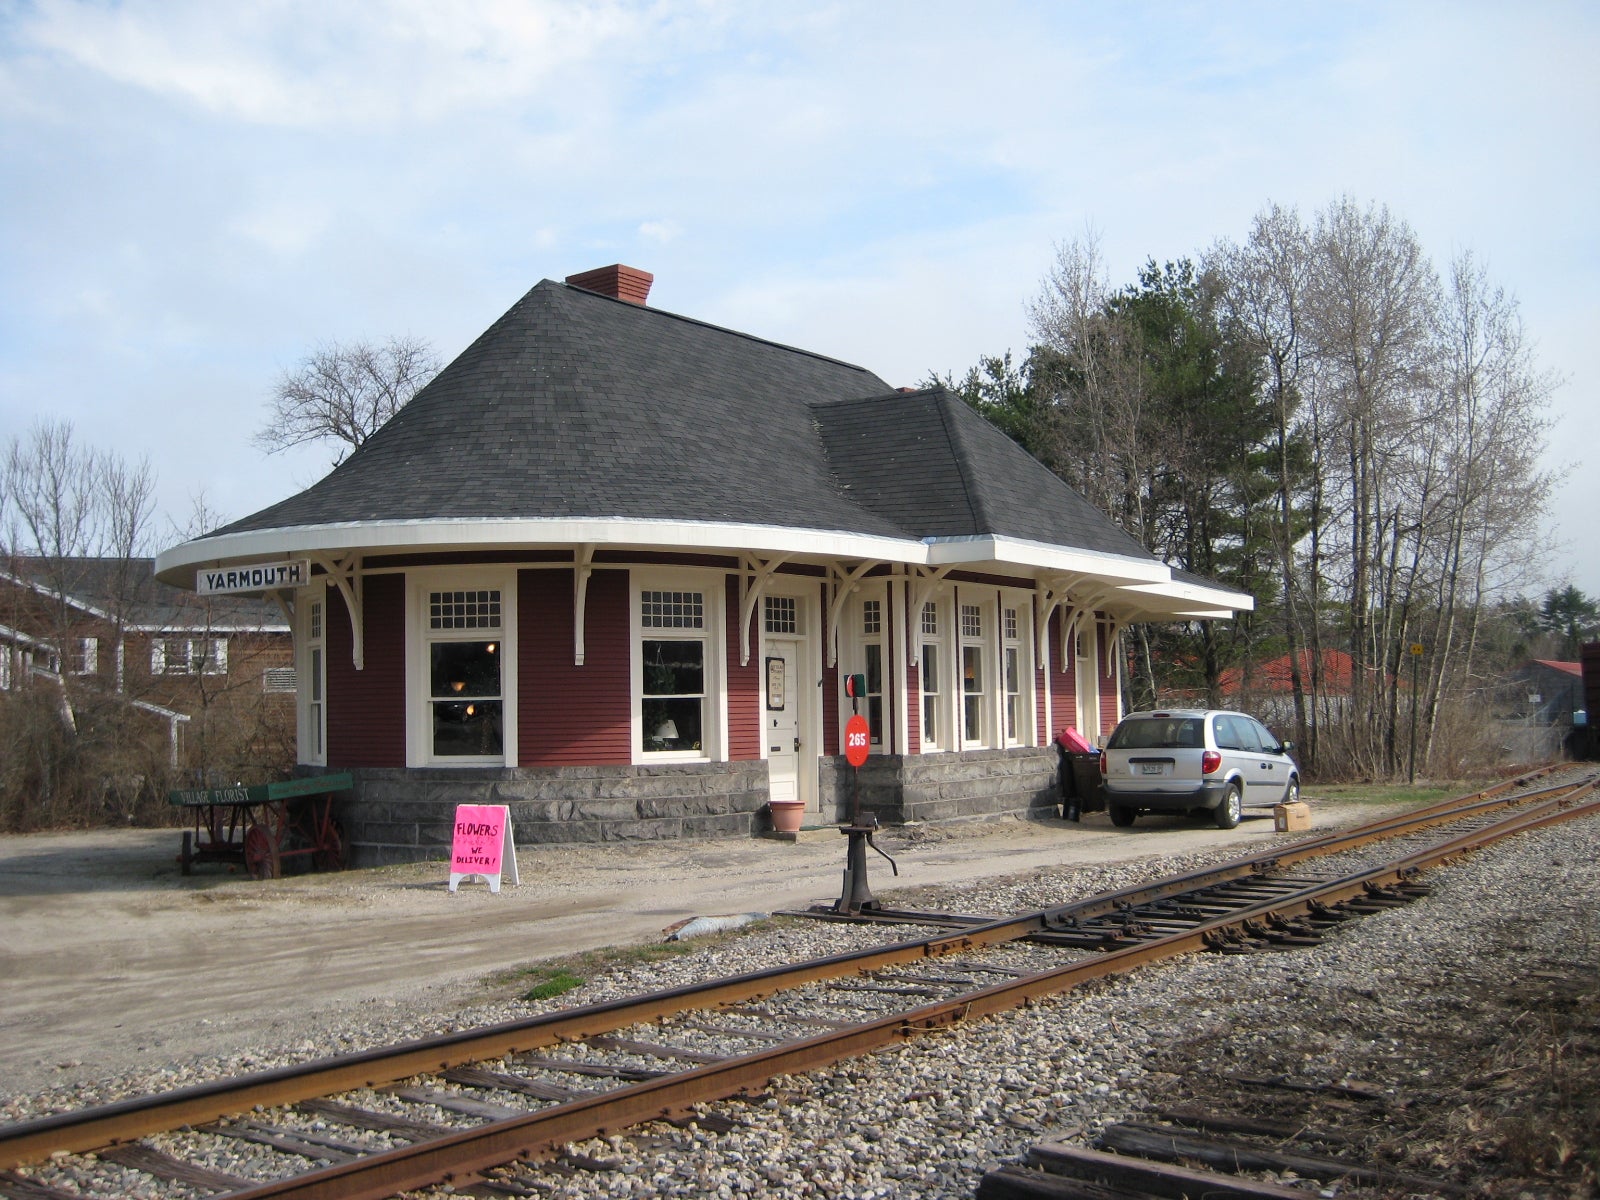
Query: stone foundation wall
[
  {"x": 406, "y": 815},
  {"x": 946, "y": 787},
  {"x": 400, "y": 815}
]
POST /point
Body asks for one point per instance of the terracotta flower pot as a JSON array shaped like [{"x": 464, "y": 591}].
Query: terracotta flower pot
[{"x": 787, "y": 814}]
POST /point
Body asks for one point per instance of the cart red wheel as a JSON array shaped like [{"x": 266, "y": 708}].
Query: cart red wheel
[
  {"x": 261, "y": 853},
  {"x": 330, "y": 853}
]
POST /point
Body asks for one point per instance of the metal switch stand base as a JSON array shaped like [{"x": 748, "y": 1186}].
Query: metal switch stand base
[{"x": 856, "y": 896}]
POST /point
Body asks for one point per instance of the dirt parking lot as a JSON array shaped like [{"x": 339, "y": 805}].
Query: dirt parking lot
[{"x": 112, "y": 960}]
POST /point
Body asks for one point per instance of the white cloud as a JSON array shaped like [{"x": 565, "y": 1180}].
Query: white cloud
[
  {"x": 311, "y": 63},
  {"x": 660, "y": 231}
]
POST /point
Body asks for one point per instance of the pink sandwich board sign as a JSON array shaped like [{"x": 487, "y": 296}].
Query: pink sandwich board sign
[{"x": 482, "y": 845}]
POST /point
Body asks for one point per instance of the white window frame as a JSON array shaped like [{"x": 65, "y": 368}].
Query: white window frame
[
  {"x": 188, "y": 656},
  {"x": 419, "y": 672},
  {"x": 976, "y": 647},
  {"x": 311, "y": 675},
  {"x": 1019, "y": 638},
  {"x": 942, "y": 706},
  {"x": 859, "y": 641},
  {"x": 88, "y": 662},
  {"x": 714, "y": 693}
]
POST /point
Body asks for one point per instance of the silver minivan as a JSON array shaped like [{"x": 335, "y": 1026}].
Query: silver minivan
[{"x": 1181, "y": 760}]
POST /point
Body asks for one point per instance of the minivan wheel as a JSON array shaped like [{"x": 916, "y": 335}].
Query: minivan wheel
[
  {"x": 1292, "y": 795},
  {"x": 1122, "y": 815},
  {"x": 1231, "y": 808}
]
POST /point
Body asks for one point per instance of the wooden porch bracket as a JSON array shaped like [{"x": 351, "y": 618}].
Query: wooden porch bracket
[
  {"x": 844, "y": 584},
  {"x": 346, "y": 576},
  {"x": 754, "y": 575},
  {"x": 923, "y": 586},
  {"x": 582, "y": 568}
]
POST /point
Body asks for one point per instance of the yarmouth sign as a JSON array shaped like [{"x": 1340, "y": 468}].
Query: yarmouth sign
[{"x": 254, "y": 577}]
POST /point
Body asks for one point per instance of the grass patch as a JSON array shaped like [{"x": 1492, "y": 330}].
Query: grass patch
[
  {"x": 554, "y": 976},
  {"x": 553, "y": 984},
  {"x": 1388, "y": 793}
]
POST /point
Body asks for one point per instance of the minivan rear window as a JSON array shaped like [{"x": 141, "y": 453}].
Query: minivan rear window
[{"x": 1158, "y": 733}]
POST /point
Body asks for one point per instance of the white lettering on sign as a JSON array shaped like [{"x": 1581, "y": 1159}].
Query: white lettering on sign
[{"x": 257, "y": 577}]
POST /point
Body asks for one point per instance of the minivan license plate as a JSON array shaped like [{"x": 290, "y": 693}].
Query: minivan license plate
[{"x": 1151, "y": 768}]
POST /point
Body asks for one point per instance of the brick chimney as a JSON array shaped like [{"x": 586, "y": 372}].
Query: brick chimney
[{"x": 617, "y": 281}]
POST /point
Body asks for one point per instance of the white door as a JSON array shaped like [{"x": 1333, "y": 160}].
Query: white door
[{"x": 782, "y": 720}]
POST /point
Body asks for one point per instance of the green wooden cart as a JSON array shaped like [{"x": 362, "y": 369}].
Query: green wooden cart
[{"x": 260, "y": 826}]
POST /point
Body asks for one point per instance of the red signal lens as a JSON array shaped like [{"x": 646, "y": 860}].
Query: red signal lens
[{"x": 1210, "y": 760}]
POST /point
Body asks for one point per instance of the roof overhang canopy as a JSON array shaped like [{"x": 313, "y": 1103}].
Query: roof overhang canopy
[{"x": 1144, "y": 589}]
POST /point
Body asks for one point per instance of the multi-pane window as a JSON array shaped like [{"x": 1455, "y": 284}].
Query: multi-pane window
[
  {"x": 189, "y": 656},
  {"x": 464, "y": 610},
  {"x": 278, "y": 679},
  {"x": 672, "y": 610},
  {"x": 872, "y": 646},
  {"x": 931, "y": 677},
  {"x": 88, "y": 656},
  {"x": 465, "y": 697},
  {"x": 315, "y": 726},
  {"x": 673, "y": 645},
  {"x": 782, "y": 614},
  {"x": 971, "y": 621},
  {"x": 1011, "y": 651}
]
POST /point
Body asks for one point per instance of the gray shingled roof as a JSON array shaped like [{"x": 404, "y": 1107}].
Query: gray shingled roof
[
  {"x": 575, "y": 405},
  {"x": 933, "y": 466}
]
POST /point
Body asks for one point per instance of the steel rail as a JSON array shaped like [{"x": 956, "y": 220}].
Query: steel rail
[
  {"x": 86, "y": 1130},
  {"x": 460, "y": 1157}
]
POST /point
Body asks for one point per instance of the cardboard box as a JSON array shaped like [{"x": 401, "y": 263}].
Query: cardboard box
[{"x": 1286, "y": 818}]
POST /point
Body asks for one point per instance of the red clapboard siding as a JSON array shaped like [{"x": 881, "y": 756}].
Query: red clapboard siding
[
  {"x": 569, "y": 715},
  {"x": 1063, "y": 684},
  {"x": 744, "y": 685},
  {"x": 913, "y": 702},
  {"x": 367, "y": 708},
  {"x": 1106, "y": 684}
]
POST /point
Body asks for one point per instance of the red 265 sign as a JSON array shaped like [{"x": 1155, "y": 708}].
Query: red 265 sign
[{"x": 857, "y": 740}]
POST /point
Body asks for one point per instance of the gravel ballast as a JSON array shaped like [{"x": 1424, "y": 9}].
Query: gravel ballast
[{"x": 1472, "y": 1011}]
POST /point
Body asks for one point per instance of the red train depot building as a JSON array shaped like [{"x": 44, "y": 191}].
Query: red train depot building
[{"x": 612, "y": 565}]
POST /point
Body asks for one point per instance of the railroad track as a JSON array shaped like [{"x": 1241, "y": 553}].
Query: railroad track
[{"x": 460, "y": 1109}]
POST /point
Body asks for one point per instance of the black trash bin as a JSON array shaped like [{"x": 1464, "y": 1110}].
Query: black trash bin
[{"x": 1078, "y": 778}]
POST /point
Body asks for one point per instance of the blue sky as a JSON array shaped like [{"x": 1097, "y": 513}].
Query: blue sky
[{"x": 193, "y": 195}]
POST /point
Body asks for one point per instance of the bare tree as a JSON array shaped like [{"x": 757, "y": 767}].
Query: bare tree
[
  {"x": 1375, "y": 296},
  {"x": 1264, "y": 295},
  {"x": 343, "y": 393}
]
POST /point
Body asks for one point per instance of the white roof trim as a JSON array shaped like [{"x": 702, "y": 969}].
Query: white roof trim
[
  {"x": 1005, "y": 551},
  {"x": 1150, "y": 579}
]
